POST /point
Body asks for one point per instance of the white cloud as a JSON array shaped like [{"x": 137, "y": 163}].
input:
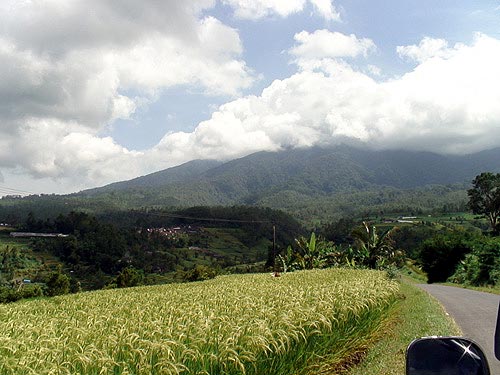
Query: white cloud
[
  {"x": 326, "y": 9},
  {"x": 68, "y": 70},
  {"x": 323, "y": 44},
  {"x": 165, "y": 62},
  {"x": 257, "y": 9},
  {"x": 58, "y": 26},
  {"x": 55, "y": 149},
  {"x": 65, "y": 75},
  {"x": 427, "y": 48},
  {"x": 374, "y": 70},
  {"x": 74, "y": 60},
  {"x": 447, "y": 105}
]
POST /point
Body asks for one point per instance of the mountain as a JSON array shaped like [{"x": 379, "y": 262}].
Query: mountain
[
  {"x": 313, "y": 171},
  {"x": 299, "y": 174},
  {"x": 182, "y": 173},
  {"x": 310, "y": 183}
]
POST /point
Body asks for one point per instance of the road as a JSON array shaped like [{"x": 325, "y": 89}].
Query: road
[{"x": 474, "y": 312}]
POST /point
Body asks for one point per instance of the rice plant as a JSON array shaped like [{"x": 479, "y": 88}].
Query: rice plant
[{"x": 236, "y": 324}]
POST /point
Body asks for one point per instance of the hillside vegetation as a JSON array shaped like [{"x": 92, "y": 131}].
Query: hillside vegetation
[
  {"x": 238, "y": 324},
  {"x": 314, "y": 183},
  {"x": 161, "y": 245}
]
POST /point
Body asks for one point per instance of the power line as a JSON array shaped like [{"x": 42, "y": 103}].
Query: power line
[{"x": 8, "y": 190}]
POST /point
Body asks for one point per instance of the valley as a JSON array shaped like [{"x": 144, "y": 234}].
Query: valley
[{"x": 334, "y": 231}]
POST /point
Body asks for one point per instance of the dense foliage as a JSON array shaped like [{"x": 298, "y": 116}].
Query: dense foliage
[
  {"x": 308, "y": 208},
  {"x": 339, "y": 232},
  {"x": 376, "y": 249},
  {"x": 91, "y": 248},
  {"x": 481, "y": 266},
  {"x": 15, "y": 263},
  {"x": 369, "y": 248},
  {"x": 121, "y": 248},
  {"x": 441, "y": 254},
  {"x": 104, "y": 251}
]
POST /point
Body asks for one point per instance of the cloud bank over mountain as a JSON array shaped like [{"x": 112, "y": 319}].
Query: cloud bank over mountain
[
  {"x": 68, "y": 70},
  {"x": 446, "y": 104}
]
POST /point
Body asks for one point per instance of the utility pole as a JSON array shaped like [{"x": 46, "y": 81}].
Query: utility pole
[{"x": 274, "y": 246}]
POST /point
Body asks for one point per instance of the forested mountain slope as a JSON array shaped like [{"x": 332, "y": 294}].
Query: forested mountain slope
[
  {"x": 312, "y": 182},
  {"x": 312, "y": 171}
]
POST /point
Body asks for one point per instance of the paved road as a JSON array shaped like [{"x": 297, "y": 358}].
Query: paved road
[{"x": 475, "y": 313}]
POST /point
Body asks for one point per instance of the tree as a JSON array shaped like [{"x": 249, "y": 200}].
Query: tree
[
  {"x": 374, "y": 248},
  {"x": 339, "y": 232},
  {"x": 484, "y": 198},
  {"x": 482, "y": 265}
]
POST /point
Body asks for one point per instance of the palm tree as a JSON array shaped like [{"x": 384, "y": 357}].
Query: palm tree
[{"x": 372, "y": 247}]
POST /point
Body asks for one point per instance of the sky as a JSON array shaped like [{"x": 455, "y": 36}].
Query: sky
[{"x": 98, "y": 91}]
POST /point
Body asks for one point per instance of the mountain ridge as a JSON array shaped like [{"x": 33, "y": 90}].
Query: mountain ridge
[
  {"x": 311, "y": 184},
  {"x": 311, "y": 171}
]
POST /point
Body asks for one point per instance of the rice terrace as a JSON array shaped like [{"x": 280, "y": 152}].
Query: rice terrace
[{"x": 236, "y": 324}]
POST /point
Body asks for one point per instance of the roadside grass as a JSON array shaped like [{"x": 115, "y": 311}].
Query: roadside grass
[
  {"x": 495, "y": 289},
  {"x": 410, "y": 271},
  {"x": 417, "y": 315}
]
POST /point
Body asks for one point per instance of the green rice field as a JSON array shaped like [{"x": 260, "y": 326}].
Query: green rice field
[{"x": 236, "y": 324}]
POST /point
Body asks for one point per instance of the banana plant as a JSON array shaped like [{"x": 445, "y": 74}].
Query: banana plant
[
  {"x": 373, "y": 248},
  {"x": 287, "y": 260},
  {"x": 312, "y": 252}
]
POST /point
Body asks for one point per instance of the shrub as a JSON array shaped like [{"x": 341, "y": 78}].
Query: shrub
[
  {"x": 58, "y": 284},
  {"x": 200, "y": 273},
  {"x": 128, "y": 277},
  {"x": 8, "y": 294}
]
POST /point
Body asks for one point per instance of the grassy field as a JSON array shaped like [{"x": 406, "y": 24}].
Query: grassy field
[
  {"x": 417, "y": 315},
  {"x": 238, "y": 324}
]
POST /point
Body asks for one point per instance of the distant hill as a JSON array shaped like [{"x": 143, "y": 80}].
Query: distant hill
[
  {"x": 310, "y": 171},
  {"x": 182, "y": 173},
  {"x": 310, "y": 183},
  {"x": 296, "y": 176}
]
